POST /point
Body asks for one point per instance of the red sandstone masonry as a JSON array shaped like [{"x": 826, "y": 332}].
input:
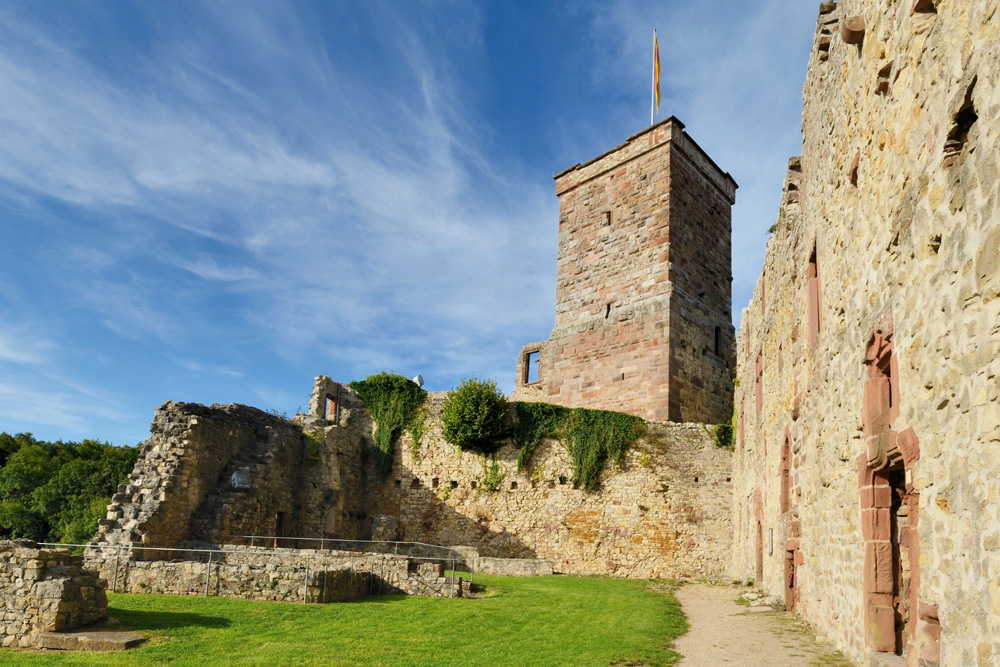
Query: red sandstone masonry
[{"x": 643, "y": 284}]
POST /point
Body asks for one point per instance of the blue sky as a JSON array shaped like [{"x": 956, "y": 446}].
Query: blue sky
[{"x": 216, "y": 202}]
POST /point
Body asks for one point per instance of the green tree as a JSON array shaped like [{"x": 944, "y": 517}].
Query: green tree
[{"x": 475, "y": 416}]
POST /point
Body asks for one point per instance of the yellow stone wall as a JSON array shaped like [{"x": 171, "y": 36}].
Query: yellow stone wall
[{"x": 900, "y": 200}]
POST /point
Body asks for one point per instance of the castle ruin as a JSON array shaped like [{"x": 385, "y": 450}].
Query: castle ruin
[{"x": 861, "y": 486}]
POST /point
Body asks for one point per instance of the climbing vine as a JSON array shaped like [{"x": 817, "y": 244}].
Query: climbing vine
[
  {"x": 417, "y": 427},
  {"x": 394, "y": 403},
  {"x": 533, "y": 423},
  {"x": 593, "y": 437},
  {"x": 314, "y": 443},
  {"x": 493, "y": 474}
]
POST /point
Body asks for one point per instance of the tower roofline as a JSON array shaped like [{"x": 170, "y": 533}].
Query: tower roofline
[{"x": 592, "y": 169}]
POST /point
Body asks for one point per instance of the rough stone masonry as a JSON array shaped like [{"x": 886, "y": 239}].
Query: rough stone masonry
[
  {"x": 868, "y": 446},
  {"x": 45, "y": 590},
  {"x": 665, "y": 513}
]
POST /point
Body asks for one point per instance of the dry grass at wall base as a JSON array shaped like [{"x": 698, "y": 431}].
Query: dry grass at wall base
[{"x": 539, "y": 621}]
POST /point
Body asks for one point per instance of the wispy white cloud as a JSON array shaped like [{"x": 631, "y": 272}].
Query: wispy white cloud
[
  {"x": 241, "y": 188},
  {"x": 201, "y": 368},
  {"x": 390, "y": 220},
  {"x": 20, "y": 345},
  {"x": 36, "y": 391}
]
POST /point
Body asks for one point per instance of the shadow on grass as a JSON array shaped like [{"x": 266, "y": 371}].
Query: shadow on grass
[
  {"x": 166, "y": 620},
  {"x": 374, "y": 599}
]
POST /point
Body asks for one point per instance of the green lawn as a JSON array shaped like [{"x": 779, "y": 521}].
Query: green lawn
[{"x": 555, "y": 621}]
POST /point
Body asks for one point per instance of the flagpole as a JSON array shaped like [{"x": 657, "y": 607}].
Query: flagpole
[{"x": 652, "y": 85}]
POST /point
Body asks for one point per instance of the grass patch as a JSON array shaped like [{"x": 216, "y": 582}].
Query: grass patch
[{"x": 540, "y": 621}]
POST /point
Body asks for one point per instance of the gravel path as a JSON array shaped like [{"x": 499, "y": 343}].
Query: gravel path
[{"x": 725, "y": 633}]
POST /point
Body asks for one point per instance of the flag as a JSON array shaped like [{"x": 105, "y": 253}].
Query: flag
[{"x": 656, "y": 70}]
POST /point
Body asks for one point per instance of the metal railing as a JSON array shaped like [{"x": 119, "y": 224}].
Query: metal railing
[
  {"x": 195, "y": 555},
  {"x": 336, "y": 544}
]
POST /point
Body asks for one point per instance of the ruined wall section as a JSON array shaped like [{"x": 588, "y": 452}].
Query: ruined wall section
[
  {"x": 45, "y": 590},
  {"x": 338, "y": 477},
  {"x": 181, "y": 490},
  {"x": 666, "y": 513},
  {"x": 629, "y": 226},
  {"x": 886, "y": 250}
]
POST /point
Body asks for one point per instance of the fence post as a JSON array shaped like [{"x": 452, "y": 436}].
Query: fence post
[
  {"x": 118, "y": 552},
  {"x": 208, "y": 573},
  {"x": 325, "y": 574},
  {"x": 251, "y": 541},
  {"x": 472, "y": 573},
  {"x": 452, "y": 577},
  {"x": 305, "y": 587},
  {"x": 350, "y": 582}
]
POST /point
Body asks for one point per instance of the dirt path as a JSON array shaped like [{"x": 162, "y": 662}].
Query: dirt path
[{"x": 725, "y": 633}]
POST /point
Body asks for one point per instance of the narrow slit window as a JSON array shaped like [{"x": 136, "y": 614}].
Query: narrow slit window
[
  {"x": 813, "y": 297},
  {"x": 718, "y": 341},
  {"x": 607, "y": 311}
]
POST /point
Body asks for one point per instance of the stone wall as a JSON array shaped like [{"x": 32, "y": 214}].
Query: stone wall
[
  {"x": 45, "y": 590},
  {"x": 869, "y": 437},
  {"x": 513, "y": 567},
  {"x": 643, "y": 298},
  {"x": 280, "y": 575},
  {"x": 181, "y": 491},
  {"x": 666, "y": 513}
]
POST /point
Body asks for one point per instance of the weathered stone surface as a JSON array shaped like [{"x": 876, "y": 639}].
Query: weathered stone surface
[
  {"x": 876, "y": 321},
  {"x": 45, "y": 590},
  {"x": 665, "y": 513},
  {"x": 181, "y": 491},
  {"x": 93, "y": 641},
  {"x": 514, "y": 567}
]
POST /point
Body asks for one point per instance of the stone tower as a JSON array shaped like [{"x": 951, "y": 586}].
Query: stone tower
[{"x": 643, "y": 294}]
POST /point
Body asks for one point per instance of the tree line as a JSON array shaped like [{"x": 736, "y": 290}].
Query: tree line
[{"x": 56, "y": 491}]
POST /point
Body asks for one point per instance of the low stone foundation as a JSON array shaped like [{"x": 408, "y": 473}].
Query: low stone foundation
[
  {"x": 45, "y": 590},
  {"x": 284, "y": 575},
  {"x": 514, "y": 567}
]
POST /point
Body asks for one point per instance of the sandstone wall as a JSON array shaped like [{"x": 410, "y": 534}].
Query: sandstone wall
[
  {"x": 665, "y": 514},
  {"x": 869, "y": 435},
  {"x": 279, "y": 575},
  {"x": 45, "y": 590},
  {"x": 643, "y": 281}
]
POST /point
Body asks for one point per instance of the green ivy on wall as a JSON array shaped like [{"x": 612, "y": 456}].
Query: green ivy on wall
[
  {"x": 593, "y": 437},
  {"x": 394, "y": 403}
]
